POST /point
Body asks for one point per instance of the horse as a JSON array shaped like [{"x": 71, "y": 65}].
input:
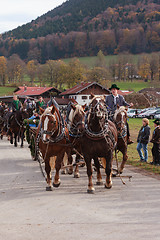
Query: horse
[
  {"x": 75, "y": 124},
  {"x": 98, "y": 141},
  {"x": 52, "y": 141},
  {"x": 120, "y": 120},
  {"x": 16, "y": 126}
]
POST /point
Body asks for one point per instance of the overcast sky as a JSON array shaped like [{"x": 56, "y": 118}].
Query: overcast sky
[{"x": 14, "y": 13}]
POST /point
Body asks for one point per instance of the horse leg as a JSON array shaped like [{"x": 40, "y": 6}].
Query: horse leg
[
  {"x": 48, "y": 172},
  {"x": 64, "y": 163},
  {"x": 99, "y": 176},
  {"x": 70, "y": 161},
  {"x": 22, "y": 137},
  {"x": 59, "y": 160},
  {"x": 89, "y": 173},
  {"x": 108, "y": 170},
  {"x": 125, "y": 157},
  {"x": 15, "y": 140}
]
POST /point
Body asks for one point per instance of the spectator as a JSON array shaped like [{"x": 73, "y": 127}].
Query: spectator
[
  {"x": 143, "y": 139},
  {"x": 156, "y": 143}
]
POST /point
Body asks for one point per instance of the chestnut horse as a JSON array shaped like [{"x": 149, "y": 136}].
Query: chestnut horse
[
  {"x": 75, "y": 124},
  {"x": 98, "y": 141},
  {"x": 52, "y": 140},
  {"x": 120, "y": 120}
]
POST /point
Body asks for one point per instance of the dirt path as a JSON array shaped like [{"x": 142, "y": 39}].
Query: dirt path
[{"x": 27, "y": 211}]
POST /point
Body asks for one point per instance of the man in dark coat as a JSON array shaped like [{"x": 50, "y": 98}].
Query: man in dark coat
[
  {"x": 156, "y": 143},
  {"x": 115, "y": 99}
]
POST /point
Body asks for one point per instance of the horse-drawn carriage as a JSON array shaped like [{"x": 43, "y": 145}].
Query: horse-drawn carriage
[{"x": 90, "y": 133}]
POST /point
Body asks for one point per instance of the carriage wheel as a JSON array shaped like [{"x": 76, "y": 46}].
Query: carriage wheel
[{"x": 32, "y": 146}]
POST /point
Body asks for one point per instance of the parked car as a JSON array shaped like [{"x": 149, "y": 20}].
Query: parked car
[
  {"x": 153, "y": 115},
  {"x": 150, "y": 113},
  {"x": 157, "y": 116},
  {"x": 133, "y": 113}
]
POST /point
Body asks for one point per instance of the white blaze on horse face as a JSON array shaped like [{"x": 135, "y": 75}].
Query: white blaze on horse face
[
  {"x": 45, "y": 127},
  {"x": 123, "y": 114}
]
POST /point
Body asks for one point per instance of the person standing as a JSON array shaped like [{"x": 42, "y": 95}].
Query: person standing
[
  {"x": 143, "y": 139},
  {"x": 112, "y": 101},
  {"x": 156, "y": 143}
]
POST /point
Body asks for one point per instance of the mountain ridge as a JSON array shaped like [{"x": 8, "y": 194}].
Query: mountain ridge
[{"x": 83, "y": 27}]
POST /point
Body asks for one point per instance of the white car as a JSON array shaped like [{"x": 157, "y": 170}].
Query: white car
[
  {"x": 132, "y": 113},
  {"x": 157, "y": 116}
]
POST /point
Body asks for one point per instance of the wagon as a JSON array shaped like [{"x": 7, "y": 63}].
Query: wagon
[{"x": 31, "y": 130}]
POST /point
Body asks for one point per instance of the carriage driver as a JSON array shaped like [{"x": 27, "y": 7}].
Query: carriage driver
[
  {"x": 115, "y": 99},
  {"x": 16, "y": 104}
]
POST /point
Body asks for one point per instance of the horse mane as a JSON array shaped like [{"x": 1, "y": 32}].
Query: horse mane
[
  {"x": 119, "y": 110},
  {"x": 73, "y": 113}
]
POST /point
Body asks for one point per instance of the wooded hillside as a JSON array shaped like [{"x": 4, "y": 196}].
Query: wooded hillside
[{"x": 83, "y": 27}]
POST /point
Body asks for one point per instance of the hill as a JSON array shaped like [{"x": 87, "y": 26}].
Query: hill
[{"x": 83, "y": 27}]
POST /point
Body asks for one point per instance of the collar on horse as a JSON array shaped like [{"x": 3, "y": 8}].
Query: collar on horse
[{"x": 96, "y": 135}]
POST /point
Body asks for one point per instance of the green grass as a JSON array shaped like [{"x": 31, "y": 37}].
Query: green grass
[
  {"x": 90, "y": 61},
  {"x": 133, "y": 86},
  {"x": 133, "y": 157},
  {"x": 5, "y": 91}
]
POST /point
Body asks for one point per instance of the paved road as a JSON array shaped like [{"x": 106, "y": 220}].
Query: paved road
[{"x": 27, "y": 211}]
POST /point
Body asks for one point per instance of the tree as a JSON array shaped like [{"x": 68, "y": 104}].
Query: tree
[
  {"x": 15, "y": 69},
  {"x": 32, "y": 70},
  {"x": 3, "y": 70},
  {"x": 101, "y": 61}
]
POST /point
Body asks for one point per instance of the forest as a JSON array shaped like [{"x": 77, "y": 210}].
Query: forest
[{"x": 84, "y": 27}]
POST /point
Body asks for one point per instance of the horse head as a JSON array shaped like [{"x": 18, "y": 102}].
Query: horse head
[
  {"x": 98, "y": 110},
  {"x": 76, "y": 118},
  {"x": 49, "y": 123},
  {"x": 120, "y": 118}
]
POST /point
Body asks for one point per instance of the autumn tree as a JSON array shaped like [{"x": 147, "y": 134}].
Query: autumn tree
[
  {"x": 32, "y": 70},
  {"x": 100, "y": 61},
  {"x": 3, "y": 70},
  {"x": 15, "y": 69},
  {"x": 75, "y": 73},
  {"x": 144, "y": 68}
]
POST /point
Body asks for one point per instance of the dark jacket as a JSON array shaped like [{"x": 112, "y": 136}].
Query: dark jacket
[
  {"x": 156, "y": 136},
  {"x": 144, "y": 133},
  {"x": 119, "y": 100}
]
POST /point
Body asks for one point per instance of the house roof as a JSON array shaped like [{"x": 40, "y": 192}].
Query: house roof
[
  {"x": 80, "y": 87},
  {"x": 34, "y": 91}
]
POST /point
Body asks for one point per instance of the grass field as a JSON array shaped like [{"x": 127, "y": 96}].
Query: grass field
[
  {"x": 133, "y": 157},
  {"x": 6, "y": 91}
]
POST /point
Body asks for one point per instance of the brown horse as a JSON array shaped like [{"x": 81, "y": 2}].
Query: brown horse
[
  {"x": 75, "y": 124},
  {"x": 120, "y": 120},
  {"x": 16, "y": 126},
  {"x": 52, "y": 141},
  {"x": 98, "y": 141}
]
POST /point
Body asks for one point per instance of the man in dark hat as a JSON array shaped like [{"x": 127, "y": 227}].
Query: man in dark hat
[
  {"x": 156, "y": 143},
  {"x": 115, "y": 99}
]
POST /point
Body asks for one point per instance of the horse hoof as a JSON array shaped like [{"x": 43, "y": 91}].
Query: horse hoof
[
  {"x": 76, "y": 175},
  {"x": 49, "y": 188},
  {"x": 21, "y": 146},
  {"x": 108, "y": 186},
  {"x": 70, "y": 171},
  {"x": 114, "y": 174},
  {"x": 91, "y": 191},
  {"x": 63, "y": 172},
  {"x": 99, "y": 183},
  {"x": 56, "y": 185}
]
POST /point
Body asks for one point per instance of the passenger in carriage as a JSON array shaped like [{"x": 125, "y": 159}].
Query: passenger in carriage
[
  {"x": 40, "y": 103},
  {"x": 16, "y": 104},
  {"x": 112, "y": 101}
]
